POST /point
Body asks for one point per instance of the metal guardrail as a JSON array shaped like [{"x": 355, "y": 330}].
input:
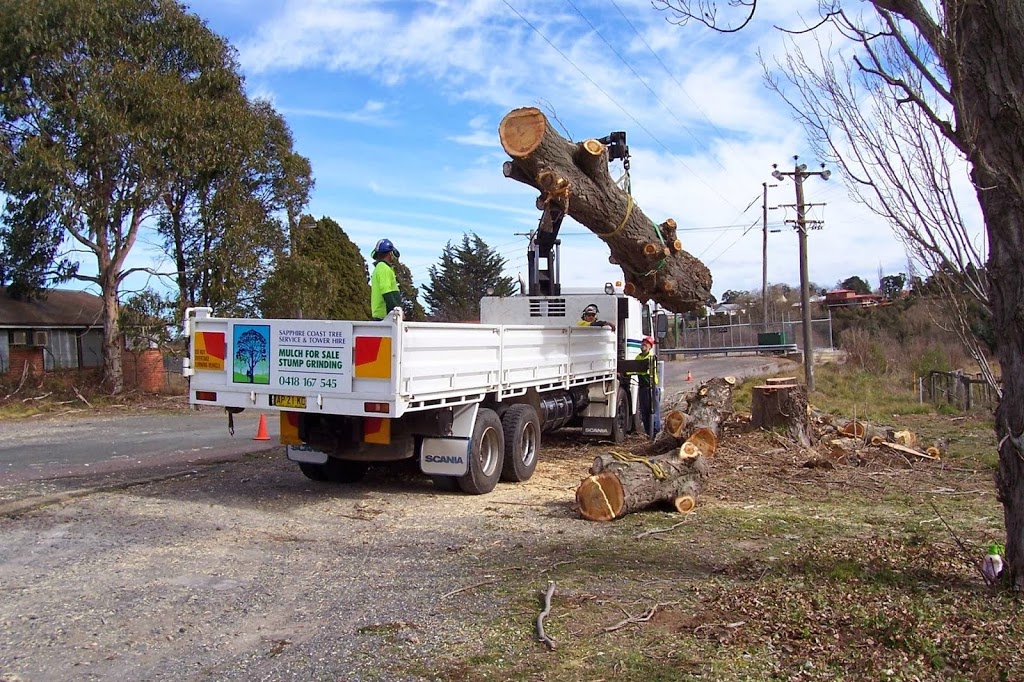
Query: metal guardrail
[{"x": 780, "y": 349}]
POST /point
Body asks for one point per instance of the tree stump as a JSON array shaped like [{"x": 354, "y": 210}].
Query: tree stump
[
  {"x": 616, "y": 488},
  {"x": 575, "y": 177},
  {"x": 781, "y": 406}
]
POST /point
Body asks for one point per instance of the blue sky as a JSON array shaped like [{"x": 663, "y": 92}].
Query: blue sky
[{"x": 397, "y": 102}]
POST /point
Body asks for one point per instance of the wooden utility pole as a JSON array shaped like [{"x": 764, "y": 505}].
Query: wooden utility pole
[
  {"x": 799, "y": 174},
  {"x": 764, "y": 255}
]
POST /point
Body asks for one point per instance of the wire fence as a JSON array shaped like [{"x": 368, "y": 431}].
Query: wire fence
[{"x": 718, "y": 331}]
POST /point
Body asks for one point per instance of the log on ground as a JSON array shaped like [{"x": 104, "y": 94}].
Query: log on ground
[
  {"x": 616, "y": 488},
  {"x": 575, "y": 177}
]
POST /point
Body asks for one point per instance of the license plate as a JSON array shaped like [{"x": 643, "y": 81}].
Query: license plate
[{"x": 296, "y": 402}]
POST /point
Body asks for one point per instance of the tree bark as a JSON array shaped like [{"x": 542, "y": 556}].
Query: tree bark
[
  {"x": 575, "y": 176},
  {"x": 616, "y": 488},
  {"x": 989, "y": 92}
]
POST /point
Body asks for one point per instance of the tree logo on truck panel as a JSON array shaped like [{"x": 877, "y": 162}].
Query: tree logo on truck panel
[{"x": 251, "y": 346}]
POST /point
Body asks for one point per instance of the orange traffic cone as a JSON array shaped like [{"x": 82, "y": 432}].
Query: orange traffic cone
[
  {"x": 689, "y": 377},
  {"x": 261, "y": 430}
]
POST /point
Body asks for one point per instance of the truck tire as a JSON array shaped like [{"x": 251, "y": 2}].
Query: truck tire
[
  {"x": 335, "y": 471},
  {"x": 620, "y": 425},
  {"x": 521, "y": 428},
  {"x": 486, "y": 454},
  {"x": 445, "y": 484}
]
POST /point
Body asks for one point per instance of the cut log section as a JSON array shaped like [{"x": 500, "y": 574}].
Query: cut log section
[
  {"x": 707, "y": 407},
  {"x": 575, "y": 176},
  {"x": 781, "y": 406},
  {"x": 616, "y": 488}
]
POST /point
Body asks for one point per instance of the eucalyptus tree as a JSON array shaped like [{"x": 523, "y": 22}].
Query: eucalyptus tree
[{"x": 99, "y": 104}]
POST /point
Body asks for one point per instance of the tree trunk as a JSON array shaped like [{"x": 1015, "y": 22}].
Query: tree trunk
[
  {"x": 989, "y": 92},
  {"x": 781, "y": 406},
  {"x": 113, "y": 377},
  {"x": 616, "y": 488},
  {"x": 575, "y": 177}
]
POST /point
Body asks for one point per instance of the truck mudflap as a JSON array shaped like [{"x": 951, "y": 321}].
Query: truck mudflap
[
  {"x": 445, "y": 456},
  {"x": 305, "y": 453},
  {"x": 598, "y": 426}
]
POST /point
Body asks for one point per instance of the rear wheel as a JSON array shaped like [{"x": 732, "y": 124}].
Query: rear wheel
[
  {"x": 335, "y": 470},
  {"x": 486, "y": 454},
  {"x": 620, "y": 425},
  {"x": 521, "y": 428}
]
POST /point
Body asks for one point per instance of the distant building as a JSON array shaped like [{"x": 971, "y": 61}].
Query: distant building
[
  {"x": 64, "y": 331},
  {"x": 847, "y": 298}
]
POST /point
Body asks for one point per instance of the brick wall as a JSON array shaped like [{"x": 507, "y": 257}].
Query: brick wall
[
  {"x": 22, "y": 355},
  {"x": 144, "y": 370}
]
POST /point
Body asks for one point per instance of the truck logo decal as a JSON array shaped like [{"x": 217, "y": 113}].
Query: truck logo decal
[
  {"x": 373, "y": 357},
  {"x": 251, "y": 345},
  {"x": 444, "y": 459},
  {"x": 210, "y": 350}
]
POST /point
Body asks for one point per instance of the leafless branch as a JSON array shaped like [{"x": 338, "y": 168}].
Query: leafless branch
[{"x": 550, "y": 643}]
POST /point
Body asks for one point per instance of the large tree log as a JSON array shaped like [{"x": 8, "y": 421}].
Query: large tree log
[
  {"x": 616, "y": 488},
  {"x": 575, "y": 177},
  {"x": 706, "y": 407}
]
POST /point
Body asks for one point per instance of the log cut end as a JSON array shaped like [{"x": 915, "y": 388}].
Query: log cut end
[
  {"x": 689, "y": 451},
  {"x": 704, "y": 440},
  {"x": 684, "y": 504},
  {"x": 674, "y": 423},
  {"x": 521, "y": 131},
  {"x": 600, "y": 497}
]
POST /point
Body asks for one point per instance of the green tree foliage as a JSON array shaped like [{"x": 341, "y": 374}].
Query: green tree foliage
[
  {"x": 325, "y": 277},
  {"x": 100, "y": 102},
  {"x": 735, "y": 296},
  {"x": 890, "y": 286},
  {"x": 147, "y": 319},
  {"x": 226, "y": 212},
  {"x": 465, "y": 273},
  {"x": 855, "y": 284},
  {"x": 411, "y": 308}
]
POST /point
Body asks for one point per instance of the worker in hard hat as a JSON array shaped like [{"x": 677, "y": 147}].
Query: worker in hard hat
[
  {"x": 589, "y": 318},
  {"x": 384, "y": 293},
  {"x": 648, "y": 379}
]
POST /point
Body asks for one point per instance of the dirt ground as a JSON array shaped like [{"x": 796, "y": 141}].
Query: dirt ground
[{"x": 246, "y": 570}]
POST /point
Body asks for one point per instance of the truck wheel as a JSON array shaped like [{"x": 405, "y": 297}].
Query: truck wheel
[
  {"x": 335, "y": 471},
  {"x": 445, "y": 484},
  {"x": 314, "y": 472},
  {"x": 521, "y": 428},
  {"x": 620, "y": 425},
  {"x": 486, "y": 453}
]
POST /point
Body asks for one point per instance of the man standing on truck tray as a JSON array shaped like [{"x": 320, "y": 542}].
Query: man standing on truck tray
[
  {"x": 589, "y": 318},
  {"x": 648, "y": 381},
  {"x": 384, "y": 294}
]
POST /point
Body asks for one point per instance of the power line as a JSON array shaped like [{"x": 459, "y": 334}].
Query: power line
[
  {"x": 611, "y": 99},
  {"x": 667, "y": 70},
  {"x": 639, "y": 78}
]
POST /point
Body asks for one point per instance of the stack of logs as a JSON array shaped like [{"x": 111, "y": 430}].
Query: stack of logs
[{"x": 669, "y": 469}]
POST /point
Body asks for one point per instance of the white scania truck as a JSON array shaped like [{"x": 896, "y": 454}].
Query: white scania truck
[{"x": 469, "y": 401}]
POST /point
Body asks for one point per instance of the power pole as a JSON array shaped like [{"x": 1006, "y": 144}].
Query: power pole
[
  {"x": 799, "y": 174},
  {"x": 764, "y": 256}
]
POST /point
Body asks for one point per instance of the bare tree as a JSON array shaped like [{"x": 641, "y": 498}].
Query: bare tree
[
  {"x": 896, "y": 163},
  {"x": 966, "y": 57}
]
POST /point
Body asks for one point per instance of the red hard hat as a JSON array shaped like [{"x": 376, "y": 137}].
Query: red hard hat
[{"x": 649, "y": 340}]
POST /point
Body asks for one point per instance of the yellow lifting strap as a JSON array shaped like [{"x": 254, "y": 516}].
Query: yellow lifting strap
[{"x": 629, "y": 457}]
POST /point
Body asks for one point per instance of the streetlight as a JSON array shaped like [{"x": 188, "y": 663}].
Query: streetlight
[{"x": 799, "y": 174}]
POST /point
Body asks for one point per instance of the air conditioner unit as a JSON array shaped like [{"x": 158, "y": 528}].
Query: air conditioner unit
[
  {"x": 19, "y": 338},
  {"x": 40, "y": 338}
]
